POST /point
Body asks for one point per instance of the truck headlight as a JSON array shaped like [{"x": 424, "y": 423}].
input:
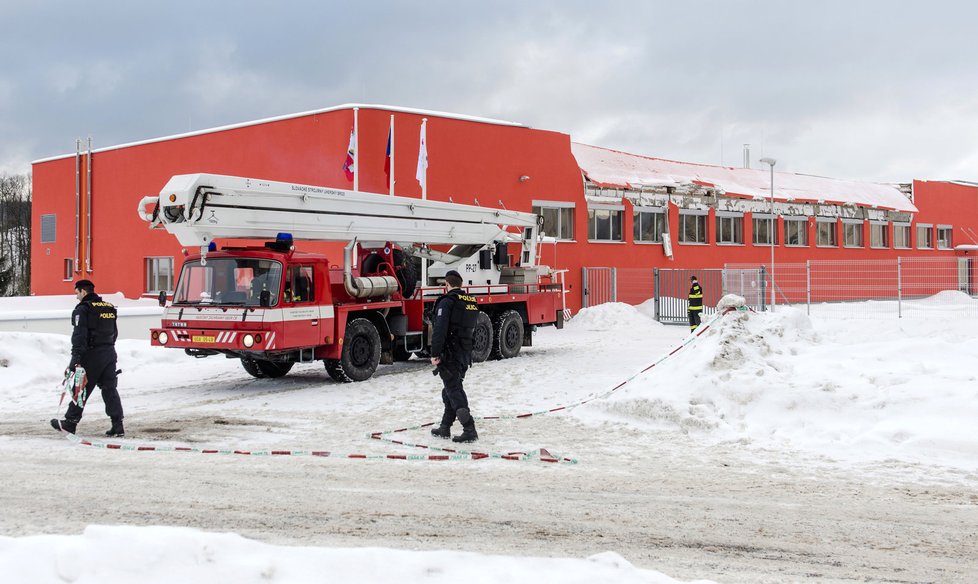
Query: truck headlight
[
  {"x": 164, "y": 338},
  {"x": 248, "y": 341}
]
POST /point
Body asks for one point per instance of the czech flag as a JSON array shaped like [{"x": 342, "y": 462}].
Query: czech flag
[
  {"x": 350, "y": 166},
  {"x": 387, "y": 161}
]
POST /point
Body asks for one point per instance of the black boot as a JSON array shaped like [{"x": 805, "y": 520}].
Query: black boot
[
  {"x": 64, "y": 425},
  {"x": 445, "y": 429},
  {"x": 116, "y": 431},
  {"x": 468, "y": 427}
]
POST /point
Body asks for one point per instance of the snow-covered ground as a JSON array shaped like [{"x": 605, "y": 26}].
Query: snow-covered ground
[{"x": 759, "y": 452}]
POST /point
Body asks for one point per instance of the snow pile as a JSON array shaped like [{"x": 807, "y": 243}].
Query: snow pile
[
  {"x": 609, "y": 317},
  {"x": 771, "y": 381},
  {"x": 109, "y": 555}
]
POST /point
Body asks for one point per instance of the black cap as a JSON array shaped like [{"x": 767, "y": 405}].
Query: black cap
[
  {"x": 453, "y": 273},
  {"x": 84, "y": 285}
]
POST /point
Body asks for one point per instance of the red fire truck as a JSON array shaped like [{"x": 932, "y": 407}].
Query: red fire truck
[{"x": 273, "y": 306}]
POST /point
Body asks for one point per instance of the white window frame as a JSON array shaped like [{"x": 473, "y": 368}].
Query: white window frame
[
  {"x": 700, "y": 216},
  {"x": 855, "y": 227},
  {"x": 874, "y": 228},
  {"x": 834, "y": 224},
  {"x": 153, "y": 277},
  {"x": 592, "y": 222},
  {"x": 943, "y": 243},
  {"x": 559, "y": 206},
  {"x": 637, "y": 223},
  {"x": 929, "y": 230},
  {"x": 905, "y": 229},
  {"x": 736, "y": 221},
  {"x": 69, "y": 267},
  {"x": 803, "y": 231},
  {"x": 770, "y": 228}
]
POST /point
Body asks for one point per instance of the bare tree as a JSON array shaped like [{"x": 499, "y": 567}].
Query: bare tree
[{"x": 15, "y": 235}]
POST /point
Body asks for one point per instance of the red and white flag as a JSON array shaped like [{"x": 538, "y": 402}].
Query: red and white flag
[
  {"x": 350, "y": 166},
  {"x": 422, "y": 173}
]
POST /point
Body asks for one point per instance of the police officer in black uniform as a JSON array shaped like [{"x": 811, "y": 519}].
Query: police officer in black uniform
[
  {"x": 455, "y": 315},
  {"x": 93, "y": 347}
]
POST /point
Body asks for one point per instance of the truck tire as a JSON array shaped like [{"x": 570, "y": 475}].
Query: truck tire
[
  {"x": 361, "y": 350},
  {"x": 335, "y": 370},
  {"x": 507, "y": 335},
  {"x": 251, "y": 366},
  {"x": 274, "y": 369},
  {"x": 482, "y": 338}
]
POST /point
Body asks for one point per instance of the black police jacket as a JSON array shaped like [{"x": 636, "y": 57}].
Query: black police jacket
[
  {"x": 455, "y": 315},
  {"x": 95, "y": 326}
]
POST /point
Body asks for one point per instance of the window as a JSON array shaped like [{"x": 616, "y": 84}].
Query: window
[
  {"x": 48, "y": 228},
  {"x": 925, "y": 236},
  {"x": 852, "y": 233},
  {"x": 558, "y": 218},
  {"x": 943, "y": 237},
  {"x": 648, "y": 224},
  {"x": 69, "y": 269},
  {"x": 796, "y": 231},
  {"x": 229, "y": 281},
  {"x": 765, "y": 229},
  {"x": 299, "y": 284},
  {"x": 826, "y": 233},
  {"x": 159, "y": 274},
  {"x": 901, "y": 235},
  {"x": 879, "y": 235},
  {"x": 604, "y": 223},
  {"x": 692, "y": 227},
  {"x": 730, "y": 228}
]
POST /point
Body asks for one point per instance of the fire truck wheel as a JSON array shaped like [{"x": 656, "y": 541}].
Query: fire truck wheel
[
  {"x": 507, "y": 335},
  {"x": 335, "y": 370},
  {"x": 273, "y": 369},
  {"x": 482, "y": 338},
  {"x": 361, "y": 350},
  {"x": 251, "y": 366}
]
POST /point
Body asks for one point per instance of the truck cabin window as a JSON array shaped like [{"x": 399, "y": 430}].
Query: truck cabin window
[{"x": 228, "y": 281}]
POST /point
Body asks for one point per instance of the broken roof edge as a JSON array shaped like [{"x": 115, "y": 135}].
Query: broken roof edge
[{"x": 346, "y": 106}]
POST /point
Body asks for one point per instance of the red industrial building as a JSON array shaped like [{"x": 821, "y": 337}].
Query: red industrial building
[{"x": 605, "y": 208}]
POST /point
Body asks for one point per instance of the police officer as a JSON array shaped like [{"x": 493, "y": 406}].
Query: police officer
[
  {"x": 93, "y": 347},
  {"x": 455, "y": 315},
  {"x": 695, "y": 303}
]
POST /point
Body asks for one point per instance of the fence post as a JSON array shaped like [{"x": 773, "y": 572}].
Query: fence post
[
  {"x": 655, "y": 293},
  {"x": 614, "y": 284},
  {"x": 584, "y": 288},
  {"x": 763, "y": 289},
  {"x": 808, "y": 285},
  {"x": 899, "y": 287}
]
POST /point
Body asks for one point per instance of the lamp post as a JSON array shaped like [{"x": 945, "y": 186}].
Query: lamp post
[{"x": 771, "y": 162}]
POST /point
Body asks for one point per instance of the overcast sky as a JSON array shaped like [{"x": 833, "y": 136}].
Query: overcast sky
[{"x": 872, "y": 90}]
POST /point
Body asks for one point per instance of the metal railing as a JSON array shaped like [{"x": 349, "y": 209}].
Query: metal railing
[{"x": 902, "y": 287}]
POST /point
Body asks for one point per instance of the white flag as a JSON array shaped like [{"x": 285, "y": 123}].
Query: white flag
[{"x": 422, "y": 172}]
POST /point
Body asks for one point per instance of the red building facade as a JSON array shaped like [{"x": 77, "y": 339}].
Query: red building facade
[{"x": 604, "y": 208}]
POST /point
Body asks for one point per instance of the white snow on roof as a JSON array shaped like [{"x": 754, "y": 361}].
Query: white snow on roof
[{"x": 610, "y": 168}]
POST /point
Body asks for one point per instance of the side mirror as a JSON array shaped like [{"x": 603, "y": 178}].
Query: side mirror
[
  {"x": 163, "y": 298},
  {"x": 265, "y": 299}
]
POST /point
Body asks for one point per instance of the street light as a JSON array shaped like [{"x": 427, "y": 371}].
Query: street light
[{"x": 771, "y": 162}]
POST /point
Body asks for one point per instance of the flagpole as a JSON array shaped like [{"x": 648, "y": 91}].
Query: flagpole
[
  {"x": 356, "y": 150},
  {"x": 392, "y": 156}
]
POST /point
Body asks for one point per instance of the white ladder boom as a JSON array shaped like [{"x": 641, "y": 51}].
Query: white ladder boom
[{"x": 199, "y": 208}]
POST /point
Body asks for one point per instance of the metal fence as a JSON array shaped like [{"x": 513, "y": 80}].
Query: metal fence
[{"x": 902, "y": 287}]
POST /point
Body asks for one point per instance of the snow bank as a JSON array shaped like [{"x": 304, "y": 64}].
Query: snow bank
[
  {"x": 611, "y": 316},
  {"x": 771, "y": 381},
  {"x": 109, "y": 555}
]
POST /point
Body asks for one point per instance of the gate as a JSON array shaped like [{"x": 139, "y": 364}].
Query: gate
[
  {"x": 671, "y": 287},
  {"x": 599, "y": 286}
]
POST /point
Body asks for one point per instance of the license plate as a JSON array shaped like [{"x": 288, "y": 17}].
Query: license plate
[{"x": 202, "y": 339}]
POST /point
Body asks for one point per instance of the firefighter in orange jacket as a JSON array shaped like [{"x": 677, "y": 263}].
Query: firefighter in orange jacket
[{"x": 695, "y": 303}]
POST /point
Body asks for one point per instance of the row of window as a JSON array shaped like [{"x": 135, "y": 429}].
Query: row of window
[{"x": 649, "y": 225}]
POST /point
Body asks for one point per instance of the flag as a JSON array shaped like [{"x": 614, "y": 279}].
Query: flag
[
  {"x": 350, "y": 166},
  {"x": 422, "y": 172},
  {"x": 387, "y": 161}
]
